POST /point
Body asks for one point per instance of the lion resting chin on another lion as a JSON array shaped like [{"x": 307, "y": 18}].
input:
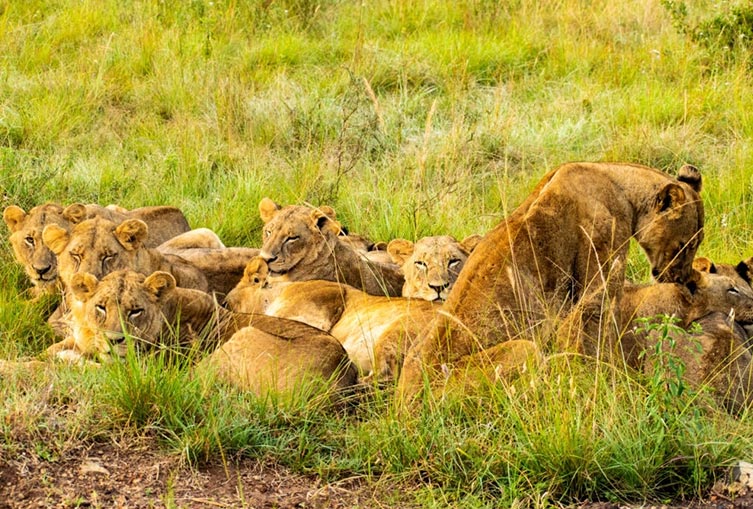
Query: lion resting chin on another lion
[{"x": 564, "y": 247}]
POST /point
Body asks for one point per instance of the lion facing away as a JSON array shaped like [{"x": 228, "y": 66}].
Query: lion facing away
[
  {"x": 431, "y": 265},
  {"x": 564, "y": 248},
  {"x": 301, "y": 243},
  {"x": 40, "y": 263},
  {"x": 375, "y": 330}
]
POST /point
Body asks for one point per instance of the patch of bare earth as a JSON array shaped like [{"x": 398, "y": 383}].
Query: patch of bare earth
[
  {"x": 108, "y": 476},
  {"x": 104, "y": 475}
]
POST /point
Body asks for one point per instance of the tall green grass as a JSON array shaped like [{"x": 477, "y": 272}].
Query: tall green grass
[{"x": 411, "y": 118}]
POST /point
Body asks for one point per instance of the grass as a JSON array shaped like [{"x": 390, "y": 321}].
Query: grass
[{"x": 411, "y": 118}]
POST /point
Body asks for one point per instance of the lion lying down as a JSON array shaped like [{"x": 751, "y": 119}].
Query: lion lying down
[
  {"x": 722, "y": 306},
  {"x": 375, "y": 331},
  {"x": 253, "y": 352},
  {"x": 562, "y": 251}
]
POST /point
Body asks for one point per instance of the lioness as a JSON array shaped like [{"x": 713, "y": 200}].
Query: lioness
[
  {"x": 375, "y": 331},
  {"x": 262, "y": 352},
  {"x": 150, "y": 308},
  {"x": 99, "y": 246},
  {"x": 301, "y": 243},
  {"x": 712, "y": 293},
  {"x": 40, "y": 263},
  {"x": 431, "y": 265},
  {"x": 563, "y": 247}
]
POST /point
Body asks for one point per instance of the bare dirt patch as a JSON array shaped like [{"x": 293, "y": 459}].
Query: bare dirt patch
[{"x": 104, "y": 475}]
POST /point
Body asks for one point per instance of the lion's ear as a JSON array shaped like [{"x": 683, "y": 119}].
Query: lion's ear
[
  {"x": 703, "y": 264},
  {"x": 75, "y": 213},
  {"x": 328, "y": 211},
  {"x": 745, "y": 270},
  {"x": 324, "y": 222},
  {"x": 55, "y": 237},
  {"x": 83, "y": 285},
  {"x": 256, "y": 266},
  {"x": 400, "y": 250},
  {"x": 13, "y": 217},
  {"x": 268, "y": 209},
  {"x": 669, "y": 197},
  {"x": 131, "y": 233},
  {"x": 469, "y": 243},
  {"x": 159, "y": 282},
  {"x": 691, "y": 176}
]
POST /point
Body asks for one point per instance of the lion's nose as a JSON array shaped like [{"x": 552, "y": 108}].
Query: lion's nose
[
  {"x": 439, "y": 288},
  {"x": 268, "y": 257},
  {"x": 42, "y": 271}
]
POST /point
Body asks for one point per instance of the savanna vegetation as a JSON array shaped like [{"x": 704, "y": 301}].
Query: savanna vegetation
[{"x": 410, "y": 118}]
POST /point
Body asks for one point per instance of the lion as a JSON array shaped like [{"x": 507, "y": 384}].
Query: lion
[
  {"x": 280, "y": 355},
  {"x": 431, "y": 265},
  {"x": 711, "y": 293},
  {"x": 40, "y": 263},
  {"x": 253, "y": 352},
  {"x": 375, "y": 330},
  {"x": 151, "y": 308},
  {"x": 301, "y": 243},
  {"x": 563, "y": 248}
]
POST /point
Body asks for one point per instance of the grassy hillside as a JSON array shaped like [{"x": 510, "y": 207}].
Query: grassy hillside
[{"x": 410, "y": 118}]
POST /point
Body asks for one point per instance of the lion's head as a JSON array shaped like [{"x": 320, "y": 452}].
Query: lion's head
[
  {"x": 431, "y": 265},
  {"x": 726, "y": 287},
  {"x": 124, "y": 303},
  {"x": 246, "y": 297},
  {"x": 39, "y": 262},
  {"x": 96, "y": 246},
  {"x": 296, "y": 235},
  {"x": 671, "y": 227}
]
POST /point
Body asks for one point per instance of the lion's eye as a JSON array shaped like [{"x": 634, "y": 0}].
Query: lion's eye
[
  {"x": 267, "y": 233},
  {"x": 76, "y": 259},
  {"x": 30, "y": 241},
  {"x": 420, "y": 265},
  {"x": 292, "y": 239},
  {"x": 135, "y": 313},
  {"x": 256, "y": 279},
  {"x": 107, "y": 259},
  {"x": 733, "y": 291},
  {"x": 453, "y": 263},
  {"x": 101, "y": 310}
]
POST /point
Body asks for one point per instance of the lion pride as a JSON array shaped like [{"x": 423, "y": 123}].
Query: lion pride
[{"x": 564, "y": 247}]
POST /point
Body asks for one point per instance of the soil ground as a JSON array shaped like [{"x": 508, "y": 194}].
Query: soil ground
[{"x": 107, "y": 476}]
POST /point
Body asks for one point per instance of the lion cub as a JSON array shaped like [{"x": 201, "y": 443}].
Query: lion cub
[{"x": 375, "y": 331}]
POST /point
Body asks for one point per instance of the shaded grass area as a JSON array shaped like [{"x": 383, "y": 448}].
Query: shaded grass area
[{"x": 411, "y": 118}]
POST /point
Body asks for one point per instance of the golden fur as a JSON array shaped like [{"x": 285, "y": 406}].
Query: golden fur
[
  {"x": 431, "y": 265},
  {"x": 99, "y": 246},
  {"x": 713, "y": 293},
  {"x": 280, "y": 355},
  {"x": 301, "y": 243},
  {"x": 564, "y": 247},
  {"x": 40, "y": 263},
  {"x": 150, "y": 308},
  {"x": 375, "y": 331}
]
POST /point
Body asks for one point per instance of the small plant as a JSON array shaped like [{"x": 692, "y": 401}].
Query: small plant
[
  {"x": 667, "y": 386},
  {"x": 723, "y": 32}
]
